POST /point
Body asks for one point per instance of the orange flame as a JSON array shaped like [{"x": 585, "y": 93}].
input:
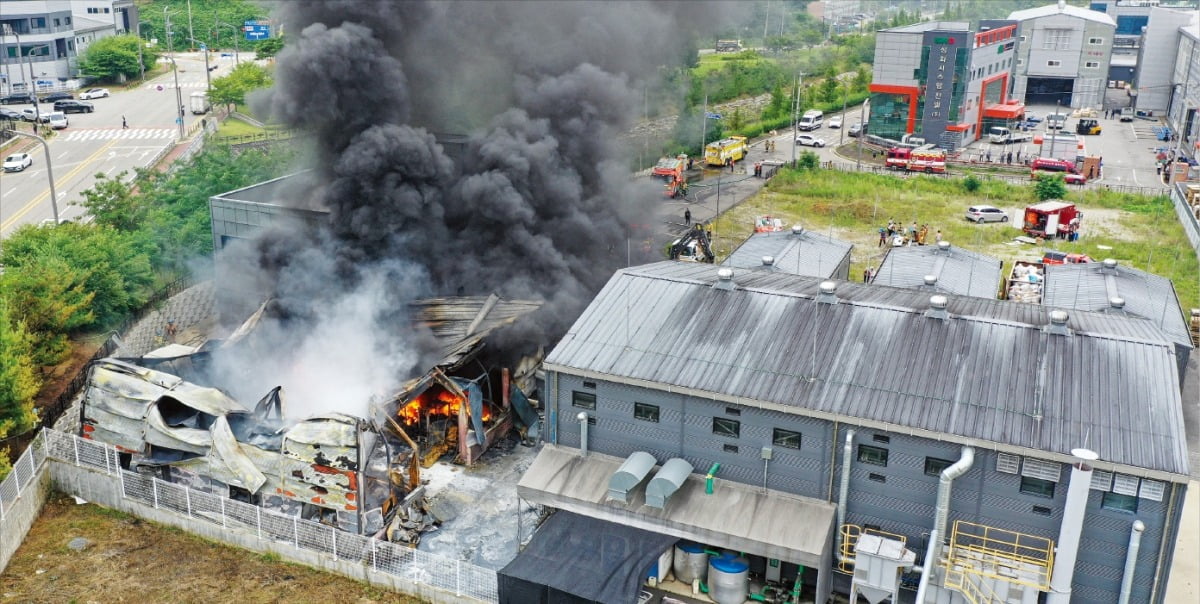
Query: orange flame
[{"x": 444, "y": 403}]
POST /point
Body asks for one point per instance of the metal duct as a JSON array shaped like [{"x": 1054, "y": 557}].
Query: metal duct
[
  {"x": 1131, "y": 554},
  {"x": 927, "y": 566},
  {"x": 1071, "y": 528},
  {"x": 941, "y": 513},
  {"x": 583, "y": 432},
  {"x": 668, "y": 480},
  {"x": 631, "y": 473},
  {"x": 844, "y": 491}
]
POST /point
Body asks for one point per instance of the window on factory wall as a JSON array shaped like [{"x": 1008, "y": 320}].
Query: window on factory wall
[
  {"x": 1119, "y": 502},
  {"x": 729, "y": 428},
  {"x": 1056, "y": 39},
  {"x": 583, "y": 400},
  {"x": 1037, "y": 487},
  {"x": 645, "y": 412},
  {"x": 876, "y": 456},
  {"x": 1095, "y": 41},
  {"x": 785, "y": 438},
  {"x": 38, "y": 22},
  {"x": 1091, "y": 64},
  {"x": 934, "y": 466}
]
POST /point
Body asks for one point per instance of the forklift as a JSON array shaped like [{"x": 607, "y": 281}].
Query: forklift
[{"x": 1087, "y": 126}]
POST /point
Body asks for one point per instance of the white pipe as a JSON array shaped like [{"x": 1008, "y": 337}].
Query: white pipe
[
  {"x": 1071, "y": 528},
  {"x": 583, "y": 432},
  {"x": 1131, "y": 554},
  {"x": 927, "y": 567},
  {"x": 844, "y": 492},
  {"x": 941, "y": 515}
]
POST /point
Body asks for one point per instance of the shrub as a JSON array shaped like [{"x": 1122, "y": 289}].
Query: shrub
[{"x": 971, "y": 184}]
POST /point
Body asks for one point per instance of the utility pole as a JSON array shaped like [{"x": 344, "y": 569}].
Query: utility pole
[
  {"x": 862, "y": 134},
  {"x": 175, "y": 68},
  {"x": 29, "y": 85},
  {"x": 191, "y": 34},
  {"x": 795, "y": 114},
  {"x": 842, "y": 130},
  {"x": 141, "y": 63},
  {"x": 1054, "y": 135},
  {"x": 704, "y": 126}
]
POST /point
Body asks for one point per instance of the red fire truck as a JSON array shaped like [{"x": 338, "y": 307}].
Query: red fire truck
[{"x": 926, "y": 158}]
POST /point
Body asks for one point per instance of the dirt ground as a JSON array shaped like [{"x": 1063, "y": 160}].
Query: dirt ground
[{"x": 131, "y": 560}]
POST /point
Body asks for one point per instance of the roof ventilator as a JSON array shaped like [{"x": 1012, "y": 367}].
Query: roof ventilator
[
  {"x": 629, "y": 475},
  {"x": 931, "y": 281},
  {"x": 828, "y": 293},
  {"x": 1116, "y": 303},
  {"x": 1058, "y": 323},
  {"x": 1109, "y": 265},
  {"x": 797, "y": 230},
  {"x": 724, "y": 279},
  {"x": 669, "y": 478},
  {"x": 944, "y": 246},
  {"x": 937, "y": 307},
  {"x": 768, "y": 260}
]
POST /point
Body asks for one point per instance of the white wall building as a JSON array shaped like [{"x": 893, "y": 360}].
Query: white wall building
[
  {"x": 1063, "y": 55},
  {"x": 52, "y": 34}
]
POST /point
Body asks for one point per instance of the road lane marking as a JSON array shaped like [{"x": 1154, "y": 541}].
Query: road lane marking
[{"x": 59, "y": 182}]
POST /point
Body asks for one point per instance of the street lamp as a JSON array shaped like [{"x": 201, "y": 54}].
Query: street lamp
[
  {"x": 862, "y": 133},
  {"x": 175, "y": 68},
  {"x": 141, "y": 43},
  {"x": 236, "y": 50}
]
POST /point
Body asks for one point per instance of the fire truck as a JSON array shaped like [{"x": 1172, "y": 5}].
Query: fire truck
[
  {"x": 926, "y": 158},
  {"x": 672, "y": 169},
  {"x": 726, "y": 151},
  {"x": 1052, "y": 218}
]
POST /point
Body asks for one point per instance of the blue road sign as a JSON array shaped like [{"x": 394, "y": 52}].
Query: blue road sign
[
  {"x": 713, "y": 116},
  {"x": 256, "y": 31}
]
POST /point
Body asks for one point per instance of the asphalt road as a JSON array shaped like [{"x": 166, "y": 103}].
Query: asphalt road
[{"x": 96, "y": 143}]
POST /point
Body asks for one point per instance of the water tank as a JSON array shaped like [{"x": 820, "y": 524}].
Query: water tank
[
  {"x": 728, "y": 579},
  {"x": 690, "y": 562}
]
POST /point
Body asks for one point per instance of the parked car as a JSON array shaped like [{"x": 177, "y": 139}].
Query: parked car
[
  {"x": 1032, "y": 117},
  {"x": 57, "y": 120},
  {"x": 9, "y": 114},
  {"x": 57, "y": 96},
  {"x": 17, "y": 162},
  {"x": 74, "y": 106},
  {"x": 835, "y": 122},
  {"x": 19, "y": 98},
  {"x": 1127, "y": 114},
  {"x": 32, "y": 114},
  {"x": 93, "y": 93},
  {"x": 978, "y": 214},
  {"x": 856, "y": 129},
  {"x": 809, "y": 140}
]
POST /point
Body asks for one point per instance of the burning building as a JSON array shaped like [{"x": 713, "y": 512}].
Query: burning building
[{"x": 171, "y": 416}]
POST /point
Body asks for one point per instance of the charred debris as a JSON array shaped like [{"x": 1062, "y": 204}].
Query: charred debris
[{"x": 167, "y": 418}]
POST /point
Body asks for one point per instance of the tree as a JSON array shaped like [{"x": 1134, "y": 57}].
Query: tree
[
  {"x": 809, "y": 161},
  {"x": 115, "y": 57},
  {"x": 862, "y": 79},
  {"x": 50, "y": 299},
  {"x": 269, "y": 47},
  {"x": 1050, "y": 187},
  {"x": 111, "y": 202},
  {"x": 829, "y": 90},
  {"x": 19, "y": 382},
  {"x": 232, "y": 89}
]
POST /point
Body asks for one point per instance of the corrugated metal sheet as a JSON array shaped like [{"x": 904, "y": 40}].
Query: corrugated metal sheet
[
  {"x": 806, "y": 253},
  {"x": 461, "y": 323},
  {"x": 1090, "y": 286},
  {"x": 958, "y": 271},
  {"x": 990, "y": 372}
]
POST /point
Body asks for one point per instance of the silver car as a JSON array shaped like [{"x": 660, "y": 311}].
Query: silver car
[{"x": 979, "y": 214}]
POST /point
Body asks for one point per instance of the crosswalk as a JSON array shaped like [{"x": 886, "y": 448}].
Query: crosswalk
[
  {"x": 95, "y": 134},
  {"x": 170, "y": 85}
]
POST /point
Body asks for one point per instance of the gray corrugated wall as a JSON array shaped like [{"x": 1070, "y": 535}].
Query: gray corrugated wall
[{"x": 903, "y": 504}]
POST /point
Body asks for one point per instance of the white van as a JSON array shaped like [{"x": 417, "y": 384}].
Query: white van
[
  {"x": 811, "y": 120},
  {"x": 57, "y": 120}
]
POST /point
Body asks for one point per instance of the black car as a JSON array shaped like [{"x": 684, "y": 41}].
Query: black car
[
  {"x": 74, "y": 106},
  {"x": 18, "y": 98},
  {"x": 9, "y": 114},
  {"x": 57, "y": 96}
]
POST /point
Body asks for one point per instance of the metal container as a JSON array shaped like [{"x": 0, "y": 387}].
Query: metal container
[
  {"x": 690, "y": 562},
  {"x": 728, "y": 579}
]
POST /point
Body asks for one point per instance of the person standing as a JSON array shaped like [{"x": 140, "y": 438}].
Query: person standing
[
  {"x": 882, "y": 236},
  {"x": 687, "y": 217},
  {"x": 124, "y": 124}
]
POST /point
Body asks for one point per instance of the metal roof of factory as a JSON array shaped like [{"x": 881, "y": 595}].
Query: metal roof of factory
[
  {"x": 1092, "y": 286},
  {"x": 956, "y": 270},
  {"x": 797, "y": 253},
  {"x": 1062, "y": 9},
  {"x": 992, "y": 373}
]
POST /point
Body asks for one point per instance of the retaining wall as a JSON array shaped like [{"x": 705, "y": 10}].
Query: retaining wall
[{"x": 23, "y": 512}]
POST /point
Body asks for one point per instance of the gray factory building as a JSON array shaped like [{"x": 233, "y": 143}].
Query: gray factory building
[
  {"x": 943, "y": 268},
  {"x": 1111, "y": 288},
  {"x": 943, "y": 427},
  {"x": 1063, "y": 55},
  {"x": 796, "y": 252}
]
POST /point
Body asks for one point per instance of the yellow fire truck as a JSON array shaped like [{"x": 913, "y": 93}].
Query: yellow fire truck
[{"x": 726, "y": 151}]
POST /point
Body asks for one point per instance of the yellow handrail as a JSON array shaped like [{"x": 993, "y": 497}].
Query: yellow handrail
[{"x": 850, "y": 535}]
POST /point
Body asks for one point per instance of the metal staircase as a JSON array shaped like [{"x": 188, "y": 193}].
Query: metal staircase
[
  {"x": 980, "y": 559},
  {"x": 970, "y": 585}
]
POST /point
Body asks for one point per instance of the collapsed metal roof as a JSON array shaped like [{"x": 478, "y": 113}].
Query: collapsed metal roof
[
  {"x": 460, "y": 324},
  {"x": 990, "y": 372}
]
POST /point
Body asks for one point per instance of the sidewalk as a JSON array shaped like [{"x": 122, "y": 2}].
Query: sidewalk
[{"x": 1184, "y": 583}]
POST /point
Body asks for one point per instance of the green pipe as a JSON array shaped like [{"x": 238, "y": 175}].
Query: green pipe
[
  {"x": 799, "y": 585},
  {"x": 758, "y": 597},
  {"x": 712, "y": 553},
  {"x": 703, "y": 587},
  {"x": 708, "y": 480}
]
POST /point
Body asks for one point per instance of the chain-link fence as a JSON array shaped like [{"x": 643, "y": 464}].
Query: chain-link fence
[
  {"x": 464, "y": 580},
  {"x": 24, "y": 472}
]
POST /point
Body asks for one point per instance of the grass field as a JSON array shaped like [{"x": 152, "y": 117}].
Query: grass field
[
  {"x": 1142, "y": 232},
  {"x": 131, "y": 560}
]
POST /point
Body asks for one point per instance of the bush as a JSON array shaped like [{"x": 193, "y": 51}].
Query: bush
[
  {"x": 809, "y": 161},
  {"x": 1050, "y": 187},
  {"x": 971, "y": 184}
]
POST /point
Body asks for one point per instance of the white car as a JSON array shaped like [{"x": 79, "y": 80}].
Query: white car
[
  {"x": 809, "y": 140},
  {"x": 835, "y": 122},
  {"x": 17, "y": 162},
  {"x": 93, "y": 93}
]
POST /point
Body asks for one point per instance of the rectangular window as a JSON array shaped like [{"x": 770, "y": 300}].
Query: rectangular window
[
  {"x": 39, "y": 22},
  {"x": 646, "y": 413},
  {"x": 1119, "y": 502},
  {"x": 1046, "y": 470},
  {"x": 57, "y": 22},
  {"x": 1096, "y": 41},
  {"x": 1152, "y": 489},
  {"x": 591, "y": 420},
  {"x": 734, "y": 411},
  {"x": 583, "y": 400},
  {"x": 1037, "y": 486},
  {"x": 1020, "y": 61},
  {"x": 1091, "y": 64},
  {"x": 1101, "y": 480},
  {"x": 880, "y": 438},
  {"x": 1042, "y": 510},
  {"x": 1125, "y": 485},
  {"x": 1056, "y": 39},
  {"x": 876, "y": 456},
  {"x": 877, "y": 477},
  {"x": 587, "y": 384},
  {"x": 1008, "y": 463},
  {"x": 785, "y": 438},
  {"x": 67, "y": 20},
  {"x": 729, "y": 428},
  {"x": 1053, "y": 63},
  {"x": 730, "y": 448},
  {"x": 1023, "y": 38},
  {"x": 934, "y": 466}
]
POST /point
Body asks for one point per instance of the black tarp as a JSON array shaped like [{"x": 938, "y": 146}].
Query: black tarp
[{"x": 574, "y": 559}]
